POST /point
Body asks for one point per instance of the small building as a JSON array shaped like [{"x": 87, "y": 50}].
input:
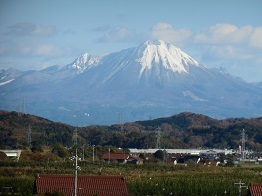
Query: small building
[
  {"x": 254, "y": 189},
  {"x": 86, "y": 185},
  {"x": 14, "y": 154},
  {"x": 135, "y": 160},
  {"x": 115, "y": 157}
]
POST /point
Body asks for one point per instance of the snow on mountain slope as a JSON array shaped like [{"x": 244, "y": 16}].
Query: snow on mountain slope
[
  {"x": 150, "y": 63},
  {"x": 9, "y": 75},
  {"x": 6, "y": 82},
  {"x": 159, "y": 52},
  {"x": 82, "y": 63}
]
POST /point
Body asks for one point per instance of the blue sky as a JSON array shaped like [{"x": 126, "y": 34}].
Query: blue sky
[{"x": 226, "y": 33}]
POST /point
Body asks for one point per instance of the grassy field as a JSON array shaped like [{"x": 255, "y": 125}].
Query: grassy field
[{"x": 147, "y": 179}]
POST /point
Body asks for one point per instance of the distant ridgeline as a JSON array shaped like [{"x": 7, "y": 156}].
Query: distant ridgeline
[{"x": 184, "y": 130}]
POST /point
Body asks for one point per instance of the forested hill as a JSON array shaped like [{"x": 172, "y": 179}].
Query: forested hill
[{"x": 185, "y": 130}]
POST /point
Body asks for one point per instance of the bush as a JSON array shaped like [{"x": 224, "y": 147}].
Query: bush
[
  {"x": 229, "y": 163},
  {"x": 37, "y": 148}
]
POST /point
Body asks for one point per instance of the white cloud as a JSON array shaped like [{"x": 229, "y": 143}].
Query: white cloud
[
  {"x": 228, "y": 52},
  {"x": 224, "y": 34},
  {"x": 166, "y": 32},
  {"x": 236, "y": 48},
  {"x": 256, "y": 38}
]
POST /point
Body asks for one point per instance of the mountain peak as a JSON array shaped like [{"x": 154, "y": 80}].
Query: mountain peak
[
  {"x": 158, "y": 52},
  {"x": 155, "y": 42},
  {"x": 83, "y": 63}
]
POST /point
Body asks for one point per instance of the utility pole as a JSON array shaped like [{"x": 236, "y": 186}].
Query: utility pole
[
  {"x": 83, "y": 152},
  {"x": 75, "y": 136},
  {"x": 109, "y": 155},
  {"x": 93, "y": 152},
  {"x": 240, "y": 186}
]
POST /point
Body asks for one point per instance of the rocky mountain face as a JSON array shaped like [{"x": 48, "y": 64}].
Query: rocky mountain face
[{"x": 155, "y": 79}]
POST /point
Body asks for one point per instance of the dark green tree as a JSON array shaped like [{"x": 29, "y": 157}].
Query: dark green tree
[
  {"x": 159, "y": 154},
  {"x": 60, "y": 150}
]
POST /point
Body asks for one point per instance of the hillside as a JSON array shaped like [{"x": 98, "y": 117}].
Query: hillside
[{"x": 184, "y": 130}]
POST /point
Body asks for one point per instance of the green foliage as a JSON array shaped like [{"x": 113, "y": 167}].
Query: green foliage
[
  {"x": 142, "y": 156},
  {"x": 159, "y": 154},
  {"x": 3, "y": 156},
  {"x": 185, "y": 130},
  {"x": 60, "y": 151},
  {"x": 149, "y": 179},
  {"x": 37, "y": 148},
  {"x": 16, "y": 186},
  {"x": 229, "y": 163}
]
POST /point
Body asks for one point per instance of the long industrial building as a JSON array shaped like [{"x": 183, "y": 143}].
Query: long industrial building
[{"x": 183, "y": 151}]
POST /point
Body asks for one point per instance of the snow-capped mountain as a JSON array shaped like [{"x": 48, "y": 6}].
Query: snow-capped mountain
[
  {"x": 155, "y": 79},
  {"x": 82, "y": 63},
  {"x": 155, "y": 53}
]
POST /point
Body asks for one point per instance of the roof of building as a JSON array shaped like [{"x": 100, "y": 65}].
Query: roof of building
[
  {"x": 136, "y": 158},
  {"x": 86, "y": 185},
  {"x": 115, "y": 156},
  {"x": 254, "y": 189}
]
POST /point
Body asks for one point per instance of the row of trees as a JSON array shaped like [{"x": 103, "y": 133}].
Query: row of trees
[{"x": 185, "y": 130}]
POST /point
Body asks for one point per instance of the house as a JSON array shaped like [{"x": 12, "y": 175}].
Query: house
[
  {"x": 86, "y": 185},
  {"x": 135, "y": 160},
  {"x": 254, "y": 189},
  {"x": 115, "y": 157}
]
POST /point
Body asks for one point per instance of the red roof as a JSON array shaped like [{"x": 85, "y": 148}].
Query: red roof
[
  {"x": 255, "y": 189},
  {"x": 86, "y": 185}
]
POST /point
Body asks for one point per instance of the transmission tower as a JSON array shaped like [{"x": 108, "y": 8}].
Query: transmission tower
[
  {"x": 21, "y": 107},
  {"x": 121, "y": 123},
  {"x": 158, "y": 138},
  {"x": 29, "y": 138},
  {"x": 243, "y": 140},
  {"x": 75, "y": 137}
]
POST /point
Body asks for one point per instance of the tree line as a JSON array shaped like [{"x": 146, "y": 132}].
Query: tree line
[{"x": 184, "y": 130}]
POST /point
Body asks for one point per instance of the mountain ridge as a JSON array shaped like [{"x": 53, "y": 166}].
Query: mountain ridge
[
  {"x": 153, "y": 79},
  {"x": 184, "y": 130}
]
